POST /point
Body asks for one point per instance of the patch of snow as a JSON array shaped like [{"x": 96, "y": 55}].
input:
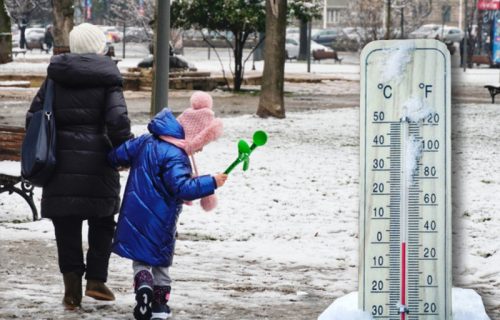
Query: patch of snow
[
  {"x": 413, "y": 153},
  {"x": 10, "y": 168},
  {"x": 466, "y": 305},
  {"x": 344, "y": 308},
  {"x": 288, "y": 224},
  {"x": 396, "y": 60},
  {"x": 415, "y": 109}
]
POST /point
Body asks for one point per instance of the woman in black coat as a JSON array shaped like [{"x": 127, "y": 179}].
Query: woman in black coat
[{"x": 91, "y": 119}]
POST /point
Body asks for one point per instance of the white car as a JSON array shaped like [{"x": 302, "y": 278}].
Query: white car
[
  {"x": 434, "y": 31},
  {"x": 292, "y": 48},
  {"x": 449, "y": 34},
  {"x": 425, "y": 31},
  {"x": 34, "y": 38}
]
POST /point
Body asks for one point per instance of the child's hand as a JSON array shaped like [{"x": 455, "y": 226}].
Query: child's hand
[{"x": 220, "y": 179}]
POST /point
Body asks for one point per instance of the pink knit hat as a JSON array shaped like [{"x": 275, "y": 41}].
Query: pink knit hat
[
  {"x": 200, "y": 128},
  {"x": 199, "y": 123}
]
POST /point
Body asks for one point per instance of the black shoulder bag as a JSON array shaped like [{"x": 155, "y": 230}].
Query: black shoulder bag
[{"x": 38, "y": 152}]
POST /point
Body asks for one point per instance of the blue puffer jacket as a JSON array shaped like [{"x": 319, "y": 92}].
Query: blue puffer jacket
[{"x": 159, "y": 181}]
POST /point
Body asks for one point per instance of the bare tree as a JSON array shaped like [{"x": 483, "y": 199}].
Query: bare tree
[
  {"x": 131, "y": 13},
  {"x": 368, "y": 17},
  {"x": 22, "y": 11},
  {"x": 410, "y": 14},
  {"x": 271, "y": 102}
]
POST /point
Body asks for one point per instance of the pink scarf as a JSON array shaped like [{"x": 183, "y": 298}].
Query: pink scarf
[
  {"x": 207, "y": 203},
  {"x": 181, "y": 143}
]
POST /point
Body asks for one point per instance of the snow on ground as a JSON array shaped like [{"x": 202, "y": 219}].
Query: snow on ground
[
  {"x": 283, "y": 242},
  {"x": 10, "y": 168}
]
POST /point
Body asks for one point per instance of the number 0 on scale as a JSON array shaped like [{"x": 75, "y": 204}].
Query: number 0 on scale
[{"x": 405, "y": 200}]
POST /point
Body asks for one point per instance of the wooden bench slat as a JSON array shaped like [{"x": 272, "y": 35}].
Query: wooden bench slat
[
  {"x": 11, "y": 140},
  {"x": 9, "y": 157},
  {"x": 12, "y": 129}
]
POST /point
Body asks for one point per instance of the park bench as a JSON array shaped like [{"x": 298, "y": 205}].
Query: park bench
[
  {"x": 493, "y": 92},
  {"x": 322, "y": 54},
  {"x": 11, "y": 139},
  {"x": 16, "y": 51}
]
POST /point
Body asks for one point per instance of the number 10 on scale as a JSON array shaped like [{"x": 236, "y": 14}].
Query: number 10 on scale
[{"x": 405, "y": 200}]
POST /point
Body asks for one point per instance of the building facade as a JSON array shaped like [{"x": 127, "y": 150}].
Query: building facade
[
  {"x": 440, "y": 10},
  {"x": 335, "y": 10},
  {"x": 451, "y": 10}
]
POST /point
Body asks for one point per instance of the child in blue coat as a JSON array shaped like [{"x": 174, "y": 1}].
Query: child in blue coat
[{"x": 160, "y": 181}]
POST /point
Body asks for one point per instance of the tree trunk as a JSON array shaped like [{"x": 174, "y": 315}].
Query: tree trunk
[
  {"x": 62, "y": 12},
  {"x": 271, "y": 102},
  {"x": 5, "y": 35},
  {"x": 303, "y": 41}
]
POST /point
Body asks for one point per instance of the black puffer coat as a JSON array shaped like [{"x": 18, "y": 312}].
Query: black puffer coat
[{"x": 91, "y": 118}]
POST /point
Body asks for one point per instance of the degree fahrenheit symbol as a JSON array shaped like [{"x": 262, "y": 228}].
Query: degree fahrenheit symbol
[{"x": 426, "y": 87}]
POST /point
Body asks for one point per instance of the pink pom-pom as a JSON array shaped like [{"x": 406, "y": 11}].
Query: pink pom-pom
[
  {"x": 209, "y": 203},
  {"x": 200, "y": 100}
]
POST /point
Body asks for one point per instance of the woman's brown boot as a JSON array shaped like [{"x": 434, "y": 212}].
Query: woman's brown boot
[
  {"x": 72, "y": 290},
  {"x": 97, "y": 289}
]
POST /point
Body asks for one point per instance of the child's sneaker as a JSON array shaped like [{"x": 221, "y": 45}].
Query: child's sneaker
[
  {"x": 161, "y": 310},
  {"x": 143, "y": 284}
]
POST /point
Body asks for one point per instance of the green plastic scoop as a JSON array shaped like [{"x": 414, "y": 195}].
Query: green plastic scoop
[{"x": 244, "y": 151}]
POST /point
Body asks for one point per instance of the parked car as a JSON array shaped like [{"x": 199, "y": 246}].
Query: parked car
[
  {"x": 354, "y": 33},
  {"x": 112, "y": 33},
  {"x": 449, "y": 34},
  {"x": 425, "y": 31},
  {"x": 292, "y": 47},
  {"x": 354, "y": 38},
  {"x": 137, "y": 34},
  {"x": 328, "y": 36},
  {"x": 34, "y": 38}
]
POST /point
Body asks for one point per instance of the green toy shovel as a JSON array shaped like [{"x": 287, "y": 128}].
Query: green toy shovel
[{"x": 244, "y": 151}]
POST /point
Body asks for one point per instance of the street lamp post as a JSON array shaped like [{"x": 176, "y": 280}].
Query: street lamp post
[
  {"x": 399, "y": 5},
  {"x": 402, "y": 22},
  {"x": 161, "y": 57},
  {"x": 388, "y": 21},
  {"x": 325, "y": 13},
  {"x": 465, "y": 55},
  {"x": 309, "y": 27}
]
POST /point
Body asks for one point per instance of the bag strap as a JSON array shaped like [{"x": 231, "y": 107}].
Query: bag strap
[{"x": 49, "y": 98}]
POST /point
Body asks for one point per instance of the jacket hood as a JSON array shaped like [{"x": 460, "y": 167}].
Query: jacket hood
[
  {"x": 165, "y": 124},
  {"x": 86, "y": 70}
]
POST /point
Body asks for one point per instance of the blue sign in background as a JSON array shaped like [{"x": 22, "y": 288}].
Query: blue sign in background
[
  {"x": 495, "y": 47},
  {"x": 88, "y": 5}
]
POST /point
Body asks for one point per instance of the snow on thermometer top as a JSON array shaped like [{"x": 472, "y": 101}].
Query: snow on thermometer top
[{"x": 405, "y": 200}]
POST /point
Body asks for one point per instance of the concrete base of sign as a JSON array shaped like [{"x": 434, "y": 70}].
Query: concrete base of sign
[{"x": 466, "y": 305}]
